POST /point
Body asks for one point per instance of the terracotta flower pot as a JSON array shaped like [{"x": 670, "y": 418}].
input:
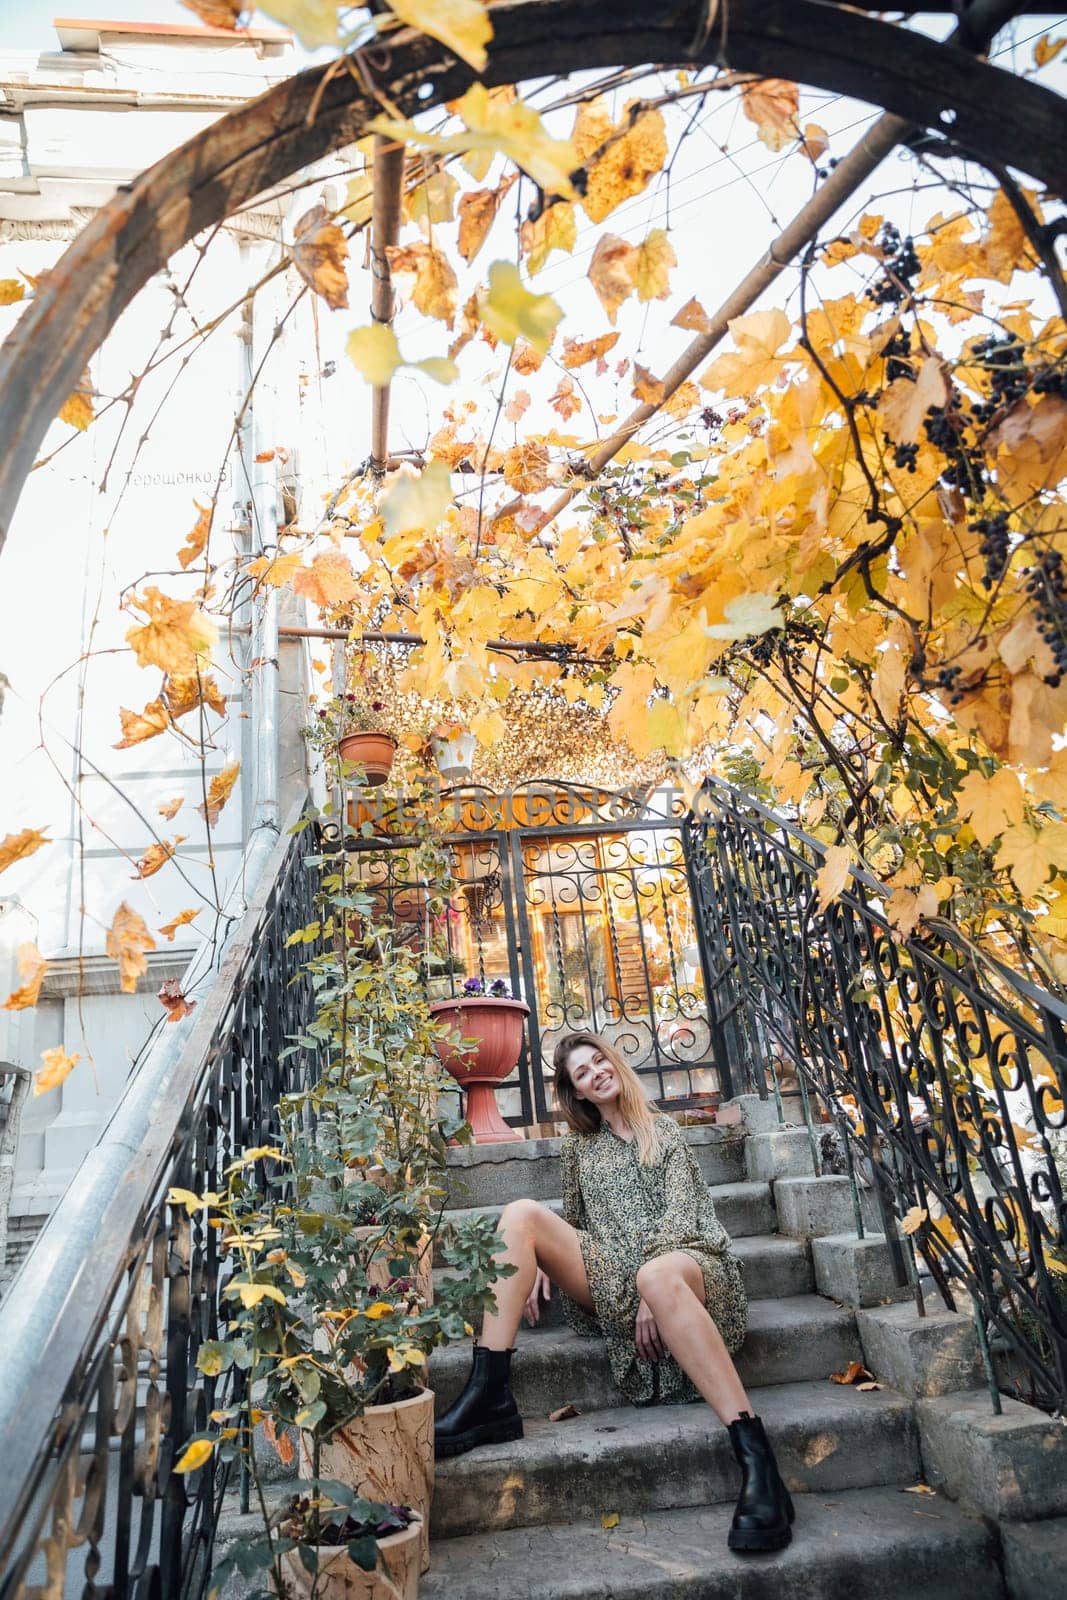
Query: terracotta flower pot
[
  {"x": 378, "y": 1271},
  {"x": 386, "y": 1454},
  {"x": 373, "y": 752},
  {"x": 496, "y": 1027},
  {"x": 396, "y": 1576}
]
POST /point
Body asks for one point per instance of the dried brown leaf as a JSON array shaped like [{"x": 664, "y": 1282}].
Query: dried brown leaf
[{"x": 318, "y": 253}]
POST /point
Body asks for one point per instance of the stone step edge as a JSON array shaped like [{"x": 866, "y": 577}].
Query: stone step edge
[{"x": 913, "y": 1544}]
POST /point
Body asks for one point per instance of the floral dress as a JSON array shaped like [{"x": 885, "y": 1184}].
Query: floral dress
[{"x": 625, "y": 1214}]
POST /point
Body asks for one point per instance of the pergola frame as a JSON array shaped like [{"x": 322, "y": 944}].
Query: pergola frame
[{"x": 991, "y": 114}]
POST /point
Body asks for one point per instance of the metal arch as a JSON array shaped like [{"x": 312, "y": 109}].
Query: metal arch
[{"x": 990, "y": 113}]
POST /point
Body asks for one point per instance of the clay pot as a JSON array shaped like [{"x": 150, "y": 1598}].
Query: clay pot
[
  {"x": 386, "y": 1454},
  {"x": 496, "y": 1027},
  {"x": 373, "y": 752},
  {"x": 396, "y": 1576}
]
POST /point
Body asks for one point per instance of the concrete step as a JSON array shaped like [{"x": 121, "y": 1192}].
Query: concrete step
[
  {"x": 493, "y": 1174},
  {"x": 771, "y": 1264},
  {"x": 789, "y": 1341},
  {"x": 634, "y": 1460},
  {"x": 847, "y": 1543},
  {"x": 742, "y": 1208}
]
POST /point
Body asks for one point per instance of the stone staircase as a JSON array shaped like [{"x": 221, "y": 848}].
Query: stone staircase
[
  {"x": 619, "y": 1501},
  {"x": 627, "y": 1503}
]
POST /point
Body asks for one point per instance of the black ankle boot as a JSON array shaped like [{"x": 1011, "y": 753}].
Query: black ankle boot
[
  {"x": 764, "y": 1508},
  {"x": 485, "y": 1412}
]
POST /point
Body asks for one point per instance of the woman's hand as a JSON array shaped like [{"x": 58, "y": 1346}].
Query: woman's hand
[
  {"x": 532, "y": 1309},
  {"x": 647, "y": 1337}
]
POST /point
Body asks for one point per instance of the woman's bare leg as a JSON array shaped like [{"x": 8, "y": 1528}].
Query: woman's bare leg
[
  {"x": 534, "y": 1237},
  {"x": 672, "y": 1286}
]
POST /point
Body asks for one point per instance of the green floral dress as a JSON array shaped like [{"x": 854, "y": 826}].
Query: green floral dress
[{"x": 625, "y": 1214}]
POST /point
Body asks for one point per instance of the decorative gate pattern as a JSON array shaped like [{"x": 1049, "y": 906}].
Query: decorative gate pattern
[{"x": 580, "y": 901}]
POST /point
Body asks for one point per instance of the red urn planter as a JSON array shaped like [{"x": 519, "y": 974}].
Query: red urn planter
[
  {"x": 373, "y": 752},
  {"x": 495, "y": 1029}
]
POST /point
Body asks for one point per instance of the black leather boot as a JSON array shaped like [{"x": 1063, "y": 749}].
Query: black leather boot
[
  {"x": 485, "y": 1413},
  {"x": 764, "y": 1508}
]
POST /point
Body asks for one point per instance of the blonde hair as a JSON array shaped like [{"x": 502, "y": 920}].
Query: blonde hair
[{"x": 586, "y": 1118}]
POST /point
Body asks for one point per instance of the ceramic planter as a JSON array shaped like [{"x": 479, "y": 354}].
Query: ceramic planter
[
  {"x": 386, "y": 1454},
  {"x": 494, "y": 1028},
  {"x": 373, "y": 752},
  {"x": 454, "y": 756},
  {"x": 396, "y": 1576}
]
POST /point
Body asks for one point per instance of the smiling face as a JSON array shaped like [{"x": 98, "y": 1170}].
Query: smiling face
[{"x": 592, "y": 1075}]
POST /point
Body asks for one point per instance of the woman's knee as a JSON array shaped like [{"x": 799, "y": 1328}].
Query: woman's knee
[
  {"x": 663, "y": 1276},
  {"x": 521, "y": 1216}
]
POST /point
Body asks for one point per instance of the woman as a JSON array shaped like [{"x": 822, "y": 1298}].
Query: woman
[{"x": 641, "y": 1258}]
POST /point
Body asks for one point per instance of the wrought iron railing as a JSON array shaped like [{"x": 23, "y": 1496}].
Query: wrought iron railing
[
  {"x": 944, "y": 1072},
  {"x": 101, "y": 1329}
]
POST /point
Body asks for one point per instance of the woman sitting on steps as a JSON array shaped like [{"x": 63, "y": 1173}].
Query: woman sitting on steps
[{"x": 641, "y": 1258}]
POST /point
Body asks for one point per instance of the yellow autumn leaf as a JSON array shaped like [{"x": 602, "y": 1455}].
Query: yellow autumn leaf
[
  {"x": 1047, "y": 49},
  {"x": 417, "y": 500},
  {"x": 1031, "y": 853},
  {"x": 276, "y": 570},
  {"x": 169, "y": 929},
  {"x": 11, "y": 291},
  {"x": 477, "y": 212},
  {"x": 184, "y": 691},
  {"x": 693, "y": 317},
  {"x": 176, "y": 636},
  {"x": 319, "y": 252},
  {"x": 328, "y": 582},
  {"x": 17, "y": 846},
  {"x": 315, "y": 22},
  {"x": 610, "y": 1520},
  {"x": 192, "y": 1201},
  {"x": 56, "y": 1067},
  {"x": 380, "y": 1308},
  {"x": 906, "y": 401},
  {"x": 32, "y": 969},
  {"x": 906, "y": 908},
  {"x": 635, "y": 151},
  {"x": 652, "y": 266},
  {"x": 219, "y": 791},
  {"x": 510, "y": 311},
  {"x": 832, "y": 875},
  {"x": 462, "y": 25},
  {"x": 195, "y": 1456},
  {"x": 128, "y": 941},
  {"x": 913, "y": 1220},
  {"x": 137, "y": 726},
  {"x": 496, "y": 125},
  {"x": 578, "y": 353},
  {"x": 759, "y": 338},
  {"x": 436, "y": 285},
  {"x": 772, "y": 104},
  {"x": 157, "y": 856},
  {"x": 251, "y": 1294},
  {"x": 555, "y": 229},
  {"x": 77, "y": 409},
  {"x": 748, "y": 615},
  {"x": 990, "y": 804},
  {"x": 434, "y": 200},
  {"x": 374, "y": 352},
  {"x": 196, "y": 539},
  {"x": 611, "y": 272}
]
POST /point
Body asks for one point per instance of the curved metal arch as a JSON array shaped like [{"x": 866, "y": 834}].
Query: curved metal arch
[{"x": 989, "y": 112}]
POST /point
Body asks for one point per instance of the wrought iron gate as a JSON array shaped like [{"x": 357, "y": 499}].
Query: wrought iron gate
[{"x": 579, "y": 900}]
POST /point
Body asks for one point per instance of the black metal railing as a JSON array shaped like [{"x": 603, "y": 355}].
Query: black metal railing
[
  {"x": 95, "y": 1414},
  {"x": 944, "y": 1072}
]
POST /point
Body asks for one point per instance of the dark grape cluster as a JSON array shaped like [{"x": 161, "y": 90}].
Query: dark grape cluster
[
  {"x": 905, "y": 455},
  {"x": 964, "y": 467},
  {"x": 995, "y": 546},
  {"x": 897, "y": 355},
  {"x": 1046, "y": 584},
  {"x": 947, "y": 679},
  {"x": 1050, "y": 380},
  {"x": 1009, "y": 376},
  {"x": 902, "y": 264}
]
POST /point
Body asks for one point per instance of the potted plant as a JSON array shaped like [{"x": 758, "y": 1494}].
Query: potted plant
[
  {"x": 361, "y": 1549},
  {"x": 352, "y": 733},
  {"x": 331, "y": 1543},
  {"x": 329, "y": 1233},
  {"x": 480, "y": 1047}
]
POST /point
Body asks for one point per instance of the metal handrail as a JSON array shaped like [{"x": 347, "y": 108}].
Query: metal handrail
[
  {"x": 944, "y": 1072},
  {"x": 58, "y": 1322}
]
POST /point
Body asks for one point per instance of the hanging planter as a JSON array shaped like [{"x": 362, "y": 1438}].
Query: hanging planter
[
  {"x": 372, "y": 750},
  {"x": 491, "y": 1030},
  {"x": 453, "y": 754}
]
